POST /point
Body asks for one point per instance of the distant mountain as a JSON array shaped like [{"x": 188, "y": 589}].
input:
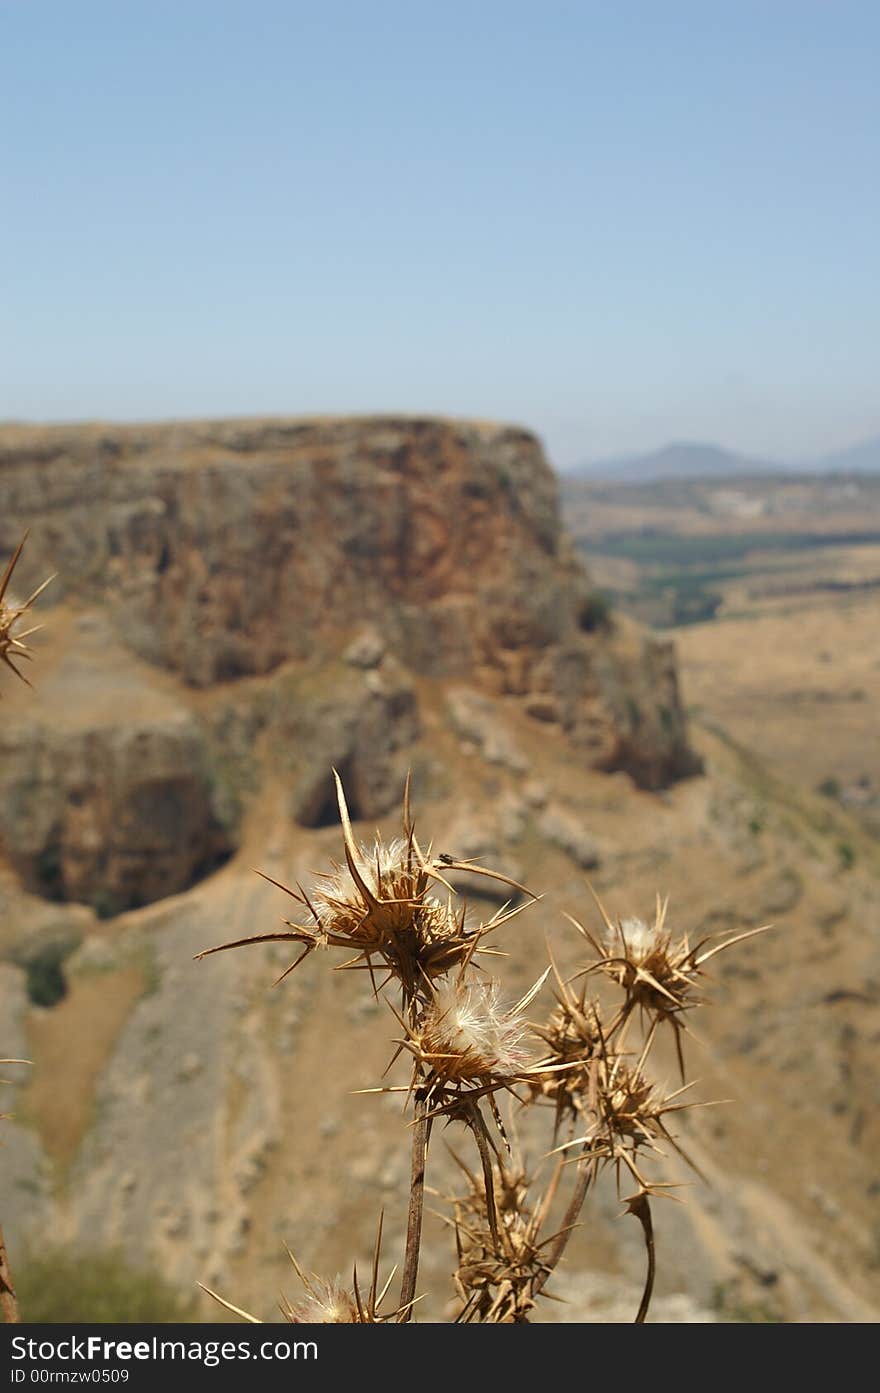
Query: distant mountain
[
  {"x": 863, "y": 458},
  {"x": 681, "y": 460},
  {"x": 685, "y": 459}
]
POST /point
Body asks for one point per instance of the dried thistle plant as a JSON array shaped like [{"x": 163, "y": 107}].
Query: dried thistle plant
[
  {"x": 12, "y": 644},
  {"x": 605, "y": 1087},
  {"x": 575, "y": 1043},
  {"x": 328, "y": 1302},
  {"x": 384, "y": 906},
  {"x": 500, "y": 1271},
  {"x": 657, "y": 973}
]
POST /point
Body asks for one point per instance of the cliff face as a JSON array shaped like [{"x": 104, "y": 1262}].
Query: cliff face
[
  {"x": 240, "y": 606},
  {"x": 111, "y": 815},
  {"x": 226, "y": 550}
]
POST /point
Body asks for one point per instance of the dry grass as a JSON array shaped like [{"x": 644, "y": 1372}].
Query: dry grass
[
  {"x": 72, "y": 1042},
  {"x": 801, "y": 690}
]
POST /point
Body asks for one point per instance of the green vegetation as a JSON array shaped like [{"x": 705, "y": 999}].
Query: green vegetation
[
  {"x": 731, "y": 1308},
  {"x": 595, "y": 612},
  {"x": 829, "y": 788},
  {"x": 58, "y": 1287},
  {"x": 681, "y": 576},
  {"x": 846, "y": 855},
  {"x": 46, "y": 983},
  {"x": 107, "y": 905},
  {"x": 674, "y": 549}
]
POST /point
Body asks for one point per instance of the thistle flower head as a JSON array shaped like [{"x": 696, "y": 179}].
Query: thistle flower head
[
  {"x": 325, "y": 1303},
  {"x": 643, "y": 960},
  {"x": 386, "y": 868},
  {"x": 627, "y": 1118},
  {"x": 330, "y": 1302},
  {"x": 629, "y": 1104},
  {"x": 500, "y": 1266},
  {"x": 657, "y": 972},
  {"x": 575, "y": 1042},
  {"x": 378, "y": 896},
  {"x": 382, "y": 904},
  {"x": 640, "y": 940},
  {"x": 466, "y": 1033}
]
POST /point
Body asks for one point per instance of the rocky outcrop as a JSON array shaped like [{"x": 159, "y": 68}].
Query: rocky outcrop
[
  {"x": 357, "y": 722},
  {"x": 227, "y": 549},
  {"x": 114, "y": 815}
]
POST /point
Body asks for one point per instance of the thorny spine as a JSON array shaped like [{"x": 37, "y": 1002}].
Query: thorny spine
[
  {"x": 467, "y": 1051},
  {"x": 13, "y": 646}
]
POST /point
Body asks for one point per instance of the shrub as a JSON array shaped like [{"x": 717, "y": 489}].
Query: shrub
[
  {"x": 846, "y": 855},
  {"x": 46, "y": 983},
  {"x": 595, "y": 612},
  {"x": 93, "y": 1287}
]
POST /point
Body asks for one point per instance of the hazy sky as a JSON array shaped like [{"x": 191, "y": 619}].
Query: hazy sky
[{"x": 617, "y": 223}]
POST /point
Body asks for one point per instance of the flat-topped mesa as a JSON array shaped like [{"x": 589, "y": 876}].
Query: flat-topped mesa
[{"x": 227, "y": 548}]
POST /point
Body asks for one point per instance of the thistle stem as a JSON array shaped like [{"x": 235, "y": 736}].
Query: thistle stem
[
  {"x": 586, "y": 1175},
  {"x": 479, "y": 1131},
  {"x": 642, "y": 1210},
  {"x": 421, "y": 1128}
]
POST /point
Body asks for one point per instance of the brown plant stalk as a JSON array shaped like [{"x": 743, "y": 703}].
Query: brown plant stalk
[
  {"x": 467, "y": 1049},
  {"x": 409, "y": 1279}
]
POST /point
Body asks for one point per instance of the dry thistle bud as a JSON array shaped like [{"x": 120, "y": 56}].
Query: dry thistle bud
[
  {"x": 499, "y": 1271},
  {"x": 657, "y": 973},
  {"x": 12, "y": 644},
  {"x": 627, "y": 1118},
  {"x": 566, "y": 1076},
  {"x": 466, "y": 1045},
  {"x": 329, "y": 1302},
  {"x": 325, "y": 1303},
  {"x": 381, "y": 904}
]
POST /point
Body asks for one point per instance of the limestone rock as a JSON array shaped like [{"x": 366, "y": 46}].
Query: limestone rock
[
  {"x": 113, "y": 815},
  {"x": 225, "y": 549},
  {"x": 563, "y": 830},
  {"x": 477, "y": 719},
  {"x": 357, "y": 723},
  {"x": 473, "y": 837}
]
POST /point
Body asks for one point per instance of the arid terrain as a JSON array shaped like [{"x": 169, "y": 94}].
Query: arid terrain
[
  {"x": 790, "y": 569},
  {"x": 677, "y": 551},
  {"x": 241, "y": 606}
]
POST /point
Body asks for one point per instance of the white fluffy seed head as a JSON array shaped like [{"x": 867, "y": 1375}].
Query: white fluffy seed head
[
  {"x": 634, "y": 940},
  {"x": 467, "y": 1033},
  {"x": 327, "y": 1303},
  {"x": 379, "y": 866}
]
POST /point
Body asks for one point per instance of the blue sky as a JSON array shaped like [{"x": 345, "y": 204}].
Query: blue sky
[{"x": 617, "y": 223}]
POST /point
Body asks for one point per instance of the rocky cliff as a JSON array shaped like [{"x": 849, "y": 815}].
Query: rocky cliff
[
  {"x": 226, "y": 549},
  {"x": 240, "y": 606},
  {"x": 336, "y": 559}
]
